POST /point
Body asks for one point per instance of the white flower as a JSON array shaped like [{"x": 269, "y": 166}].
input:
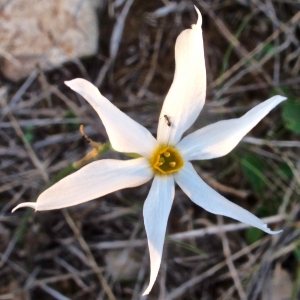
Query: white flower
[{"x": 166, "y": 159}]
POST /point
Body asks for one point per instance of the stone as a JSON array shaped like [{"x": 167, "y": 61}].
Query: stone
[{"x": 45, "y": 33}]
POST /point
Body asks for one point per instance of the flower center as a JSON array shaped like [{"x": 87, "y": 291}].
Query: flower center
[{"x": 166, "y": 160}]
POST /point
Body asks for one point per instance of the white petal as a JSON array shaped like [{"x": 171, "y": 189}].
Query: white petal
[
  {"x": 156, "y": 212},
  {"x": 186, "y": 96},
  {"x": 203, "y": 195},
  {"x": 220, "y": 138},
  {"x": 92, "y": 181},
  {"x": 125, "y": 134}
]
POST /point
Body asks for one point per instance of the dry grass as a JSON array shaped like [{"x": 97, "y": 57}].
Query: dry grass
[{"x": 97, "y": 250}]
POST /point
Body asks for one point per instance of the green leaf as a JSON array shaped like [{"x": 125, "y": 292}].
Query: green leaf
[
  {"x": 297, "y": 253},
  {"x": 253, "y": 169},
  {"x": 291, "y": 115},
  {"x": 253, "y": 235},
  {"x": 29, "y": 134},
  {"x": 72, "y": 126},
  {"x": 284, "y": 171},
  {"x": 262, "y": 211}
]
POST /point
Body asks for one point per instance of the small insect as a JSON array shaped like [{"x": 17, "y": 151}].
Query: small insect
[{"x": 167, "y": 120}]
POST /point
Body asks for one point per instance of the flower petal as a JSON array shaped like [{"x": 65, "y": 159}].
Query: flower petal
[
  {"x": 186, "y": 96},
  {"x": 156, "y": 212},
  {"x": 125, "y": 134},
  {"x": 92, "y": 181},
  {"x": 203, "y": 195},
  {"x": 220, "y": 138}
]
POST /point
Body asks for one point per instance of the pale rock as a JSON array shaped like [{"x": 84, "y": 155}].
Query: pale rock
[
  {"x": 278, "y": 285},
  {"x": 45, "y": 33}
]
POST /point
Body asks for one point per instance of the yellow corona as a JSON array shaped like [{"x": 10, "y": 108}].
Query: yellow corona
[{"x": 166, "y": 160}]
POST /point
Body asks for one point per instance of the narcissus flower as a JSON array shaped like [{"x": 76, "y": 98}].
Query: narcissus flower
[{"x": 167, "y": 159}]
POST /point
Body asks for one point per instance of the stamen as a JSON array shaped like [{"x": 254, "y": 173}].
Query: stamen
[
  {"x": 161, "y": 161},
  {"x": 167, "y": 154},
  {"x": 172, "y": 164}
]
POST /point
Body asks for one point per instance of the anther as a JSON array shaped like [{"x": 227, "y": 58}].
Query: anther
[
  {"x": 167, "y": 154},
  {"x": 172, "y": 164},
  {"x": 161, "y": 161}
]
